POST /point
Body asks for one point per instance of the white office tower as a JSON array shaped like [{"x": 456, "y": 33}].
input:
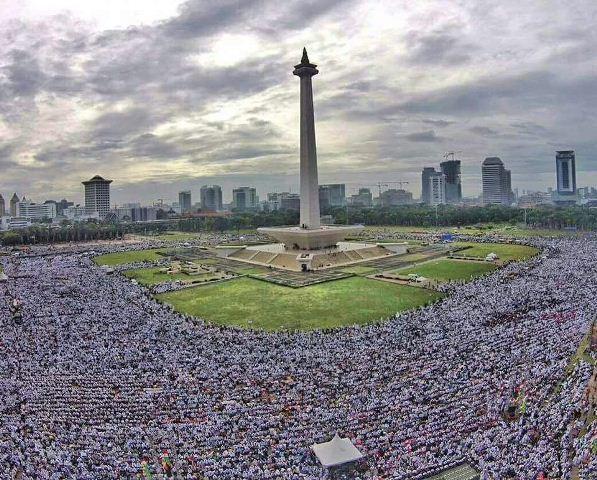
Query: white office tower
[
  {"x": 497, "y": 184},
  {"x": 97, "y": 195}
]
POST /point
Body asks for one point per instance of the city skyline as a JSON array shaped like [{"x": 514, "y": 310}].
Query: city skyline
[{"x": 197, "y": 93}]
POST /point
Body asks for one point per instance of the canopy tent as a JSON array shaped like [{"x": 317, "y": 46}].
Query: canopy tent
[
  {"x": 338, "y": 451},
  {"x": 3, "y": 277}
]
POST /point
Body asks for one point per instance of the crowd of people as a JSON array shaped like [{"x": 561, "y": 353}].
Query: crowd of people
[{"x": 100, "y": 381}]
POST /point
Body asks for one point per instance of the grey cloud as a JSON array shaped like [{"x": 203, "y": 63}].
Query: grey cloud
[
  {"x": 6, "y": 155},
  {"x": 518, "y": 92},
  {"x": 426, "y": 136},
  {"x": 152, "y": 146},
  {"x": 438, "y": 123},
  {"x": 205, "y": 17},
  {"x": 23, "y": 74},
  {"x": 529, "y": 128},
  {"x": 484, "y": 131},
  {"x": 515, "y": 109},
  {"x": 441, "y": 46},
  {"x": 115, "y": 125}
]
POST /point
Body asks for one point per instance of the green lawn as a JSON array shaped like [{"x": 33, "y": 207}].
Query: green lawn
[
  {"x": 118, "y": 258},
  {"x": 359, "y": 270},
  {"x": 153, "y": 276},
  {"x": 503, "y": 250},
  {"x": 445, "y": 270},
  {"x": 252, "y": 270},
  {"x": 251, "y": 303}
]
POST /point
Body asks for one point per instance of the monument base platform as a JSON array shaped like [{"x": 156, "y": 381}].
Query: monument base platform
[
  {"x": 297, "y": 238},
  {"x": 276, "y": 255}
]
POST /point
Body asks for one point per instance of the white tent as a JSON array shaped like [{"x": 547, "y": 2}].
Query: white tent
[
  {"x": 337, "y": 451},
  {"x": 3, "y": 277}
]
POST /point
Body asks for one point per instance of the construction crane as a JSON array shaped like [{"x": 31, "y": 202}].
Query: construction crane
[
  {"x": 387, "y": 184},
  {"x": 447, "y": 155},
  {"x": 379, "y": 185}
]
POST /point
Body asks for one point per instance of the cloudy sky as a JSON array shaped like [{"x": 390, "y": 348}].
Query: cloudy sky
[{"x": 164, "y": 95}]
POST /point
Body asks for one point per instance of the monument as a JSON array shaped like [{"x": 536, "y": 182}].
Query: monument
[
  {"x": 309, "y": 245},
  {"x": 309, "y": 234}
]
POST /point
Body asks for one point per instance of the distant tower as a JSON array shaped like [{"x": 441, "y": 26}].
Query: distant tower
[
  {"x": 97, "y": 195},
  {"x": 13, "y": 204},
  {"x": 437, "y": 188},
  {"x": 451, "y": 169},
  {"x": 211, "y": 198},
  {"x": 2, "y": 206},
  {"x": 497, "y": 183},
  {"x": 244, "y": 198},
  {"x": 425, "y": 178},
  {"x": 184, "y": 201},
  {"x": 566, "y": 173}
]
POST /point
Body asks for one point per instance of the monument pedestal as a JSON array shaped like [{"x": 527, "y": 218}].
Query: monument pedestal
[{"x": 297, "y": 238}]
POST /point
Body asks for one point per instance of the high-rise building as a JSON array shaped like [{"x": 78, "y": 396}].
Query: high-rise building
[
  {"x": 61, "y": 205},
  {"x": 184, "y": 201},
  {"x": 433, "y": 187},
  {"x": 362, "y": 199},
  {"x": 211, "y": 198},
  {"x": 497, "y": 182},
  {"x": 244, "y": 198},
  {"x": 292, "y": 201},
  {"x": 97, "y": 195},
  {"x": 566, "y": 173},
  {"x": 79, "y": 214},
  {"x": 332, "y": 195},
  {"x": 36, "y": 211},
  {"x": 437, "y": 188},
  {"x": 394, "y": 197},
  {"x": 427, "y": 172},
  {"x": 143, "y": 214},
  {"x": 13, "y": 204},
  {"x": 2, "y": 206},
  {"x": 451, "y": 171}
]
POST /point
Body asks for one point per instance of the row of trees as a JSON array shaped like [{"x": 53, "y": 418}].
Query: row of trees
[
  {"x": 411, "y": 215},
  {"x": 549, "y": 217}
]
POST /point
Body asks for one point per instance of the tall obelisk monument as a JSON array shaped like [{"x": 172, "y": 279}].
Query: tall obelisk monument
[
  {"x": 308, "y": 170},
  {"x": 309, "y": 235}
]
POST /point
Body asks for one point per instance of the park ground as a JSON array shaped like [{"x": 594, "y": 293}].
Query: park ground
[
  {"x": 504, "y": 251},
  {"x": 119, "y": 258},
  {"x": 250, "y": 302},
  {"x": 153, "y": 276},
  {"x": 449, "y": 270}
]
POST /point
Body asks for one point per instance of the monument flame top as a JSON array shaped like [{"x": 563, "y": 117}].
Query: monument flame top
[{"x": 305, "y": 67}]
